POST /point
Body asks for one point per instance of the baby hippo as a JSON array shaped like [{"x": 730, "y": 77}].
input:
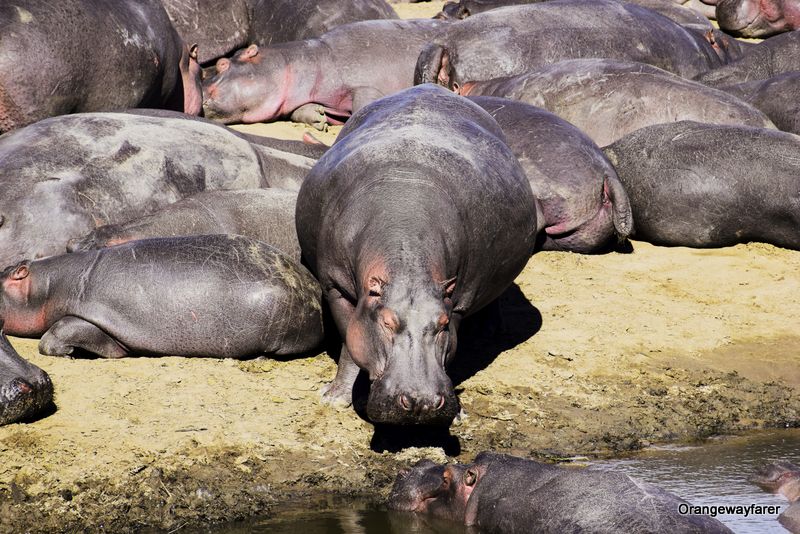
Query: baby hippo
[
  {"x": 783, "y": 478},
  {"x": 509, "y": 495},
  {"x": 213, "y": 295}
]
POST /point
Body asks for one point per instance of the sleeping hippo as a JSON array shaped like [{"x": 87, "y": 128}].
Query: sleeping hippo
[
  {"x": 758, "y": 18},
  {"x": 778, "y": 98},
  {"x": 216, "y": 295},
  {"x": 501, "y": 494},
  {"x": 783, "y": 478},
  {"x": 91, "y": 55},
  {"x": 769, "y": 58}
]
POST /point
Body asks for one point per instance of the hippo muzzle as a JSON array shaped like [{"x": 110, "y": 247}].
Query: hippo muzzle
[{"x": 407, "y": 402}]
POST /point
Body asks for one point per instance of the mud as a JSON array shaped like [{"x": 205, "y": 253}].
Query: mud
[{"x": 596, "y": 355}]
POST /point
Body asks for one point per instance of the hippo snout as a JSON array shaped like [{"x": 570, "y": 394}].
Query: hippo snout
[{"x": 434, "y": 405}]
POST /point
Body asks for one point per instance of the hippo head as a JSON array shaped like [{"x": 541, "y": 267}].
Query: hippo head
[
  {"x": 752, "y": 18},
  {"x": 781, "y": 477},
  {"x": 246, "y": 88},
  {"x": 438, "y": 490},
  {"x": 400, "y": 333}
]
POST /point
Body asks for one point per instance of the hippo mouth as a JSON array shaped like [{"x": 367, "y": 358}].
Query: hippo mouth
[{"x": 387, "y": 407}]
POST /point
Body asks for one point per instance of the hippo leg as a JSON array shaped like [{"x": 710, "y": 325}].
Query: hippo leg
[
  {"x": 25, "y": 390},
  {"x": 311, "y": 114},
  {"x": 70, "y": 333},
  {"x": 340, "y": 391}
]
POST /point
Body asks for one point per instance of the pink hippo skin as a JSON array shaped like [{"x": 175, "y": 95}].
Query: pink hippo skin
[
  {"x": 336, "y": 74},
  {"x": 758, "y": 18}
]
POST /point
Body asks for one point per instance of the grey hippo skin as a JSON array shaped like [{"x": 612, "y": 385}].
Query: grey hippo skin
[
  {"x": 501, "y": 494},
  {"x": 266, "y": 215},
  {"x": 608, "y": 99},
  {"x": 62, "y": 177},
  {"x": 417, "y": 216},
  {"x": 584, "y": 205},
  {"x": 220, "y": 27},
  {"x": 76, "y": 56},
  {"x": 703, "y": 185},
  {"x": 767, "y": 59},
  {"x": 778, "y": 98},
  {"x": 513, "y": 40},
  {"x": 351, "y": 66},
  {"x": 783, "y": 478},
  {"x": 758, "y": 18},
  {"x": 25, "y": 390},
  {"x": 219, "y": 295}
]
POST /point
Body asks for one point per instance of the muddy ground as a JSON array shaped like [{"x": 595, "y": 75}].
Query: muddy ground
[{"x": 597, "y": 355}]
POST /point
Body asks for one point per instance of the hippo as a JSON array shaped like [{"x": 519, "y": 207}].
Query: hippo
[
  {"x": 25, "y": 389},
  {"x": 220, "y": 28},
  {"x": 417, "y": 216},
  {"x": 583, "y": 202},
  {"x": 783, "y": 478},
  {"x": 212, "y": 295},
  {"x": 758, "y": 18},
  {"x": 266, "y": 215},
  {"x": 767, "y": 59},
  {"x": 778, "y": 98},
  {"x": 513, "y": 40},
  {"x": 504, "y": 494},
  {"x": 91, "y": 55},
  {"x": 353, "y": 65},
  {"x": 608, "y": 99},
  {"x": 706, "y": 185},
  {"x": 62, "y": 177}
]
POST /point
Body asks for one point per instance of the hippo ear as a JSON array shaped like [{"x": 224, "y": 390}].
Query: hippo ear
[
  {"x": 193, "y": 51},
  {"x": 448, "y": 286},
  {"x": 223, "y": 65},
  {"x": 470, "y": 477},
  {"x": 375, "y": 286},
  {"x": 250, "y": 52},
  {"x": 20, "y": 272},
  {"x": 2, "y": 220}
]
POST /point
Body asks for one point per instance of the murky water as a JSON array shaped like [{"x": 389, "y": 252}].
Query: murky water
[{"x": 714, "y": 473}]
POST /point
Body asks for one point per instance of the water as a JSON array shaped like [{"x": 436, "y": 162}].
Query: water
[{"x": 714, "y": 473}]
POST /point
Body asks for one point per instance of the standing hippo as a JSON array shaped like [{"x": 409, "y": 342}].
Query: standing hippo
[
  {"x": 513, "y": 40},
  {"x": 767, "y": 59},
  {"x": 219, "y": 295},
  {"x": 266, "y": 215},
  {"x": 329, "y": 77},
  {"x": 221, "y": 27},
  {"x": 62, "y": 177},
  {"x": 91, "y": 55},
  {"x": 758, "y": 18},
  {"x": 783, "y": 478},
  {"x": 417, "y": 216},
  {"x": 778, "y": 98},
  {"x": 706, "y": 185},
  {"x": 502, "y": 494},
  {"x": 608, "y": 99},
  {"x": 25, "y": 390},
  {"x": 583, "y": 203}
]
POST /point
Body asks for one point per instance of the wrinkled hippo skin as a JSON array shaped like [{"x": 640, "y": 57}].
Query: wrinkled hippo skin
[
  {"x": 608, "y": 99},
  {"x": 182, "y": 300},
  {"x": 91, "y": 55},
  {"x": 701, "y": 185},
  {"x": 417, "y": 216},
  {"x": 767, "y": 59},
  {"x": 221, "y": 27},
  {"x": 584, "y": 205},
  {"x": 62, "y": 177},
  {"x": 513, "y": 40},
  {"x": 25, "y": 390},
  {"x": 783, "y": 478},
  {"x": 758, "y": 18},
  {"x": 353, "y": 65},
  {"x": 778, "y": 98},
  {"x": 510, "y": 495},
  {"x": 266, "y": 215}
]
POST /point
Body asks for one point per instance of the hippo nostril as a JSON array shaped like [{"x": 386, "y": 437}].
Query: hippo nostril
[
  {"x": 438, "y": 401},
  {"x": 405, "y": 403}
]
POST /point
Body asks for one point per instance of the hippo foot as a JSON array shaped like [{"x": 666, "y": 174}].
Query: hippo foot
[
  {"x": 311, "y": 114},
  {"x": 336, "y": 396},
  {"x": 22, "y": 398}
]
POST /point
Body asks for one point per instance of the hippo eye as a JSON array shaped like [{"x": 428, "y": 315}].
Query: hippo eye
[{"x": 470, "y": 477}]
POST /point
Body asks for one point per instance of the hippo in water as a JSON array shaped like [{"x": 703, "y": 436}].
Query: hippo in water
[
  {"x": 219, "y": 295},
  {"x": 266, "y": 215},
  {"x": 584, "y": 205},
  {"x": 758, "y": 18},
  {"x": 353, "y": 65},
  {"x": 221, "y": 27},
  {"x": 25, "y": 389},
  {"x": 783, "y": 478},
  {"x": 704, "y": 185},
  {"x": 501, "y": 494},
  {"x": 62, "y": 177},
  {"x": 513, "y": 40},
  {"x": 417, "y": 216},
  {"x": 91, "y": 55}
]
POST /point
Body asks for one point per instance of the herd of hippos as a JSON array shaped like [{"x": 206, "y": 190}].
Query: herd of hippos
[{"x": 470, "y": 141}]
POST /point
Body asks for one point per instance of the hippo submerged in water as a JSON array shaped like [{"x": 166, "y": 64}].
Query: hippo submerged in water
[
  {"x": 783, "y": 478},
  {"x": 502, "y": 494}
]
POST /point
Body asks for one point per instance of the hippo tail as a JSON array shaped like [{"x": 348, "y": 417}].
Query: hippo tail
[
  {"x": 621, "y": 213},
  {"x": 432, "y": 66}
]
